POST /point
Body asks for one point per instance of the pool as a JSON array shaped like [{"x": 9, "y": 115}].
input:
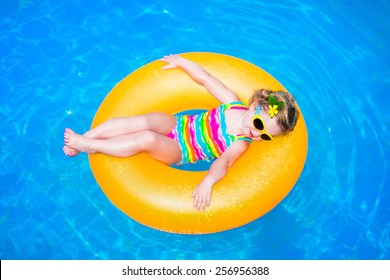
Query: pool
[{"x": 58, "y": 62}]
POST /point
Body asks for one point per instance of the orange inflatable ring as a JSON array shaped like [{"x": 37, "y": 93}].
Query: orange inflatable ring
[{"x": 160, "y": 196}]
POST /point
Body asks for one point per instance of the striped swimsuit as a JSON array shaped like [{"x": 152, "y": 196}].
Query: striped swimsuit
[{"x": 203, "y": 136}]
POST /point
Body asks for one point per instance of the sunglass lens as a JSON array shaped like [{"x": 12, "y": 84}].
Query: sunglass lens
[
  {"x": 266, "y": 137},
  {"x": 258, "y": 123}
]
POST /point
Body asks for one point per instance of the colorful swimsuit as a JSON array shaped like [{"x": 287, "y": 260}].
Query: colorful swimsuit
[{"x": 203, "y": 136}]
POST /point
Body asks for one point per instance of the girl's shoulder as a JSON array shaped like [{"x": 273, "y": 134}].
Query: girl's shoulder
[{"x": 239, "y": 105}]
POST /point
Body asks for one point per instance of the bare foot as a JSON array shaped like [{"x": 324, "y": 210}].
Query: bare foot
[
  {"x": 76, "y": 142},
  {"x": 70, "y": 151}
]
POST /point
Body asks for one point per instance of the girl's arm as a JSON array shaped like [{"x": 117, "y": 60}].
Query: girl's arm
[
  {"x": 202, "y": 77},
  {"x": 217, "y": 172}
]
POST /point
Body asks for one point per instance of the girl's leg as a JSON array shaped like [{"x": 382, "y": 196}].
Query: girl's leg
[
  {"x": 158, "y": 146},
  {"x": 158, "y": 122}
]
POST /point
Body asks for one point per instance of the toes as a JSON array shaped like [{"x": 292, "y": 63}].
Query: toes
[
  {"x": 70, "y": 140},
  {"x": 68, "y": 135},
  {"x": 68, "y": 132},
  {"x": 69, "y": 151}
]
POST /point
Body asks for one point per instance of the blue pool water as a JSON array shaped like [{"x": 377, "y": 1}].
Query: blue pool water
[{"x": 59, "y": 59}]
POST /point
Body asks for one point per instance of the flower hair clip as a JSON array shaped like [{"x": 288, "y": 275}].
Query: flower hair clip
[{"x": 274, "y": 106}]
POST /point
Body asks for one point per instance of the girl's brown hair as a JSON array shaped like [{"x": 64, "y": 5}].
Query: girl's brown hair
[{"x": 288, "y": 114}]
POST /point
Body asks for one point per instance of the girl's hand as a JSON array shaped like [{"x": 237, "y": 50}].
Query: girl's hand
[
  {"x": 202, "y": 195},
  {"x": 172, "y": 61}
]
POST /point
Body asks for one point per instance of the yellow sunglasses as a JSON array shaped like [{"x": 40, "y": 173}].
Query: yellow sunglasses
[{"x": 259, "y": 124}]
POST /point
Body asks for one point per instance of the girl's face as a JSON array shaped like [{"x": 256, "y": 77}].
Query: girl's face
[{"x": 271, "y": 125}]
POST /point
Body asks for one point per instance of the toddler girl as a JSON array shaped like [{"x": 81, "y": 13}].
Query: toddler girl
[{"x": 224, "y": 133}]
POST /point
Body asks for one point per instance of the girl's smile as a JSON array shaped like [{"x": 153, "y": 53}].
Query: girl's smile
[{"x": 248, "y": 129}]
